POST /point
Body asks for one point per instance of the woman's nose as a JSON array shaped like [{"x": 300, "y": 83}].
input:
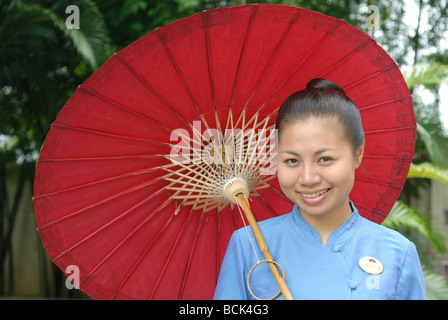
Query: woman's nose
[{"x": 309, "y": 176}]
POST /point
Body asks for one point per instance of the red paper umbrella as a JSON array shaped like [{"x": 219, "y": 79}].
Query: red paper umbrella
[{"x": 129, "y": 184}]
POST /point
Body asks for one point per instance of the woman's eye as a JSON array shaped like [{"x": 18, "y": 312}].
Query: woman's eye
[
  {"x": 325, "y": 159},
  {"x": 291, "y": 161}
]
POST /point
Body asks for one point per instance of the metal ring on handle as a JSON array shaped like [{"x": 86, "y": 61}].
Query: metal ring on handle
[{"x": 256, "y": 265}]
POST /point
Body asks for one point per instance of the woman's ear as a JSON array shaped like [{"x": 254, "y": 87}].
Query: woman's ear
[{"x": 359, "y": 154}]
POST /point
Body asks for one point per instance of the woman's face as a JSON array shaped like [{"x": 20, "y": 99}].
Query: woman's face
[{"x": 316, "y": 168}]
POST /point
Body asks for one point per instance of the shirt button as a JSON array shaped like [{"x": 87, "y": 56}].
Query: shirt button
[
  {"x": 353, "y": 284},
  {"x": 336, "y": 248}
]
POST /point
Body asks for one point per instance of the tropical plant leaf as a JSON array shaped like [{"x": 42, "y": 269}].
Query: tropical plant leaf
[
  {"x": 436, "y": 146},
  {"x": 402, "y": 217},
  {"x": 27, "y": 28},
  {"x": 436, "y": 286},
  {"x": 428, "y": 170},
  {"x": 426, "y": 74},
  {"x": 91, "y": 39}
]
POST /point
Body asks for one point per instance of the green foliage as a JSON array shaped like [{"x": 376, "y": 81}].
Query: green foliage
[
  {"x": 436, "y": 146},
  {"x": 41, "y": 64},
  {"x": 403, "y": 218},
  {"x": 436, "y": 286},
  {"x": 428, "y": 170},
  {"x": 430, "y": 163},
  {"x": 34, "y": 85},
  {"x": 426, "y": 74},
  {"x": 91, "y": 40}
]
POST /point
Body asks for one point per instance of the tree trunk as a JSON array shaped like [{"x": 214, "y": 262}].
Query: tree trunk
[{"x": 7, "y": 218}]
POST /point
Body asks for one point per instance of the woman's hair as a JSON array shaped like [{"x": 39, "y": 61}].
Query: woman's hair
[{"x": 323, "y": 99}]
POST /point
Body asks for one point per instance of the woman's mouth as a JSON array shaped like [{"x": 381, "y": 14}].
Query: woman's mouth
[{"x": 314, "y": 197}]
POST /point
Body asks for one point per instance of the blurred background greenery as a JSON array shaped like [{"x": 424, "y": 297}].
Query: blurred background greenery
[{"x": 42, "y": 62}]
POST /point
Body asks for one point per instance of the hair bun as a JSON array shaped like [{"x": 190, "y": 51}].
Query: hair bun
[{"x": 318, "y": 83}]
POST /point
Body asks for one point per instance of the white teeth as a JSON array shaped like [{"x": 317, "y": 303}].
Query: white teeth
[{"x": 313, "y": 195}]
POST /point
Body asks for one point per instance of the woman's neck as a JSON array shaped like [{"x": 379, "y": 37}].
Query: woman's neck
[{"x": 326, "y": 223}]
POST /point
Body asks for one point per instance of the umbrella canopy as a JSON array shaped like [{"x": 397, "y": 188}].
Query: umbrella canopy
[{"x": 129, "y": 182}]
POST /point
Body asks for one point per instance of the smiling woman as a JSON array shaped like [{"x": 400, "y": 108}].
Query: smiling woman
[
  {"x": 321, "y": 143},
  {"x": 323, "y": 243}
]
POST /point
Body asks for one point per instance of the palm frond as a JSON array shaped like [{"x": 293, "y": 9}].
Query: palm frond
[
  {"x": 426, "y": 74},
  {"x": 29, "y": 28},
  {"x": 428, "y": 170},
  {"x": 436, "y": 146},
  {"x": 91, "y": 40},
  {"x": 401, "y": 217},
  {"x": 436, "y": 285}
]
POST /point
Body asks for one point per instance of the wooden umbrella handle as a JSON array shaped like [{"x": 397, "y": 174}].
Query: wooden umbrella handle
[{"x": 242, "y": 200}]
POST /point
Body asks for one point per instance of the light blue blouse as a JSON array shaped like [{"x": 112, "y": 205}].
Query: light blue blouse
[{"x": 314, "y": 271}]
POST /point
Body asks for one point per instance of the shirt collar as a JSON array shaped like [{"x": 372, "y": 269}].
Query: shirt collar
[{"x": 339, "y": 236}]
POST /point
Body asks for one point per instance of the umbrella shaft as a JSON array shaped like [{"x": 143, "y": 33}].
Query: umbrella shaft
[{"x": 242, "y": 201}]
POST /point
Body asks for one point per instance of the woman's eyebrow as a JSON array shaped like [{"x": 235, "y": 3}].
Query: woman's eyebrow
[
  {"x": 322, "y": 151},
  {"x": 291, "y": 153},
  {"x": 315, "y": 153}
]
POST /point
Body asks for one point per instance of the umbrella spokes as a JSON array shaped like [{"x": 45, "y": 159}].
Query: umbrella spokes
[
  {"x": 236, "y": 162},
  {"x": 202, "y": 164}
]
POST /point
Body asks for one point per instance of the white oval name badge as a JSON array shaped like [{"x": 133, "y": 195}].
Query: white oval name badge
[{"x": 371, "y": 265}]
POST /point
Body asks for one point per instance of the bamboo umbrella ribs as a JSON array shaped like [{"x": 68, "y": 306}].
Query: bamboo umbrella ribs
[{"x": 231, "y": 168}]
